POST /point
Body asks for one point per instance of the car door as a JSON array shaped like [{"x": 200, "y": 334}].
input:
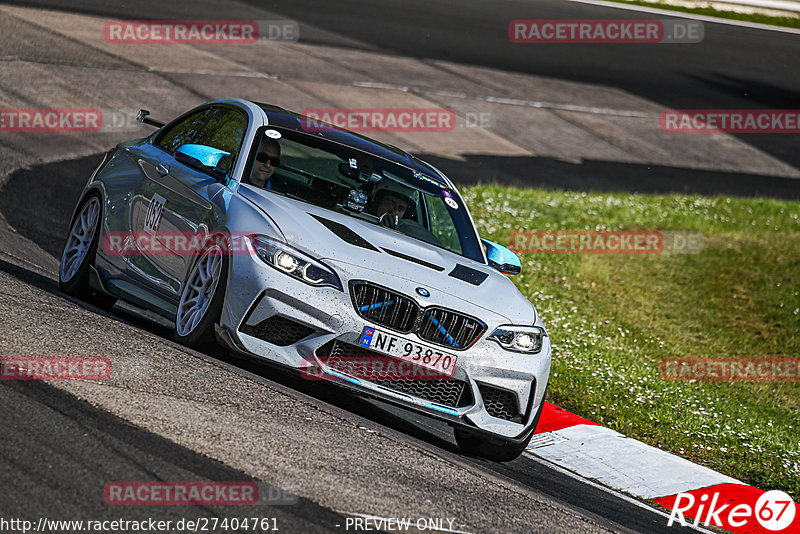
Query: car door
[{"x": 176, "y": 198}]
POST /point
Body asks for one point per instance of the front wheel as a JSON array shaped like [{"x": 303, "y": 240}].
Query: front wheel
[
  {"x": 495, "y": 449},
  {"x": 201, "y": 299},
  {"x": 79, "y": 254}
]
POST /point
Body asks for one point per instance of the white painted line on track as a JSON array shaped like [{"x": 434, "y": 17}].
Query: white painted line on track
[
  {"x": 616, "y": 494},
  {"x": 380, "y": 85},
  {"x": 568, "y": 107},
  {"x": 237, "y": 74},
  {"x": 543, "y": 440},
  {"x": 684, "y": 15},
  {"x": 779, "y": 5},
  {"x": 442, "y": 92},
  {"x": 41, "y": 270},
  {"x": 508, "y": 101},
  {"x": 626, "y": 464}
]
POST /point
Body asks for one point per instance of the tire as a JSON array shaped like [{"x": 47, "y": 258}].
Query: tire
[
  {"x": 79, "y": 253},
  {"x": 202, "y": 296},
  {"x": 495, "y": 449}
]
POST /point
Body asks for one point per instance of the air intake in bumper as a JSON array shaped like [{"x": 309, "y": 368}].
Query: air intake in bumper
[
  {"x": 447, "y": 392},
  {"x": 278, "y": 331},
  {"x": 500, "y": 403}
]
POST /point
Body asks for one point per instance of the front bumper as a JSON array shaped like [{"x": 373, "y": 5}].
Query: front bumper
[{"x": 273, "y": 316}]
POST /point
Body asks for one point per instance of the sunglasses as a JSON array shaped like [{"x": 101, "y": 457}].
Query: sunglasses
[{"x": 264, "y": 158}]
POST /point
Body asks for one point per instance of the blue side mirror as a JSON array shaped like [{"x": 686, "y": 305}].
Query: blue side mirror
[
  {"x": 205, "y": 157},
  {"x": 502, "y": 258}
]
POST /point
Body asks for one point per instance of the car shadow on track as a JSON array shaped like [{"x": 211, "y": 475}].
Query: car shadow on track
[
  {"x": 58, "y": 453},
  {"x": 138, "y": 318},
  {"x": 400, "y": 420}
]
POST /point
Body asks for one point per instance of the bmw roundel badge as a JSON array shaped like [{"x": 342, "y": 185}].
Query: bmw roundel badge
[{"x": 423, "y": 292}]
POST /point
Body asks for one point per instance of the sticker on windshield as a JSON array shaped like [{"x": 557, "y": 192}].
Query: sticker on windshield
[
  {"x": 357, "y": 200},
  {"x": 273, "y": 134},
  {"x": 419, "y": 176},
  {"x": 449, "y": 200},
  {"x": 353, "y": 163}
]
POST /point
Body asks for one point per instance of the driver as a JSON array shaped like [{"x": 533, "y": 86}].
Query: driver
[
  {"x": 394, "y": 202},
  {"x": 398, "y": 200},
  {"x": 267, "y": 160}
]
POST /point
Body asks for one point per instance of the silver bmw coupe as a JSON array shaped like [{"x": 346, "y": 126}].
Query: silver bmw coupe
[{"x": 346, "y": 259}]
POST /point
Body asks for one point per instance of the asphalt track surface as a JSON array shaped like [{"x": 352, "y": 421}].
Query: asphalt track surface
[
  {"x": 733, "y": 67},
  {"x": 83, "y": 446}
]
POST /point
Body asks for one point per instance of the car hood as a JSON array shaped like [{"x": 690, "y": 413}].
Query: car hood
[{"x": 342, "y": 239}]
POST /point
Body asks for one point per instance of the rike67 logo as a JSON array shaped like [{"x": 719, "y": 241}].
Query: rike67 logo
[{"x": 773, "y": 511}]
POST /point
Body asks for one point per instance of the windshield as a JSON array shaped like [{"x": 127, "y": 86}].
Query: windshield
[{"x": 362, "y": 185}]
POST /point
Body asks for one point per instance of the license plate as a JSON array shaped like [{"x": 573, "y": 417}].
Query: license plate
[{"x": 416, "y": 353}]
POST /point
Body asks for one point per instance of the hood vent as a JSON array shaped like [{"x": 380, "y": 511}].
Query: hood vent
[
  {"x": 412, "y": 258},
  {"x": 344, "y": 233},
  {"x": 468, "y": 274}
]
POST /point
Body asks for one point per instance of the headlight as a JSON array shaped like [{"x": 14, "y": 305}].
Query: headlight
[
  {"x": 527, "y": 339},
  {"x": 294, "y": 263}
]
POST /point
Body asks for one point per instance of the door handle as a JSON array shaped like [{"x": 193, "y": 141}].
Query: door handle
[{"x": 162, "y": 170}]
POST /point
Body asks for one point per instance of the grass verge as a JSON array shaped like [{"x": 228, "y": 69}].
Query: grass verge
[
  {"x": 788, "y": 22},
  {"x": 612, "y": 318}
]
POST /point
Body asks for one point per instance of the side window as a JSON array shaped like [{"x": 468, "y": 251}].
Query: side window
[
  {"x": 224, "y": 130},
  {"x": 184, "y": 131},
  {"x": 216, "y": 127},
  {"x": 441, "y": 224}
]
